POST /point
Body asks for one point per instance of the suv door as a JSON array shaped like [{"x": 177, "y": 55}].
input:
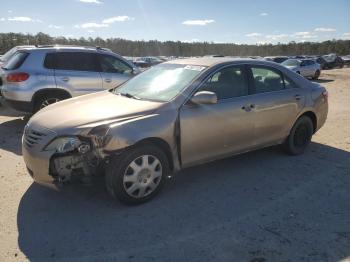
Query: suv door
[
  {"x": 215, "y": 130},
  {"x": 114, "y": 71},
  {"x": 76, "y": 72},
  {"x": 277, "y": 102}
]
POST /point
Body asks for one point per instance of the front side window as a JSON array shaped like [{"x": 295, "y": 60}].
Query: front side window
[
  {"x": 160, "y": 83},
  {"x": 266, "y": 80},
  {"x": 111, "y": 64},
  {"x": 227, "y": 83},
  {"x": 76, "y": 61}
]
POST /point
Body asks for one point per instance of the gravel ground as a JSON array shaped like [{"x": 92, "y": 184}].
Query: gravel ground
[{"x": 260, "y": 206}]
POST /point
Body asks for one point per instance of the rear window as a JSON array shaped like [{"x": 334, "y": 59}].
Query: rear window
[
  {"x": 76, "y": 61},
  {"x": 16, "y": 61}
]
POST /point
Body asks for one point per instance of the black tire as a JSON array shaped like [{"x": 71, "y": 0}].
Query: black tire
[
  {"x": 118, "y": 167},
  {"x": 39, "y": 101},
  {"x": 300, "y": 136},
  {"x": 316, "y": 75}
]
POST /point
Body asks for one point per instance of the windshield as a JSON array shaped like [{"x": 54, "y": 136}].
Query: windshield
[
  {"x": 160, "y": 83},
  {"x": 291, "y": 62}
]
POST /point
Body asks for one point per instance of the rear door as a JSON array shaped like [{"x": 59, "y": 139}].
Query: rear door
[
  {"x": 77, "y": 72},
  {"x": 276, "y": 102},
  {"x": 114, "y": 71}
]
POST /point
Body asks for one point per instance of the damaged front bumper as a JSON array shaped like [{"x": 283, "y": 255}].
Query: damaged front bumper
[{"x": 52, "y": 169}]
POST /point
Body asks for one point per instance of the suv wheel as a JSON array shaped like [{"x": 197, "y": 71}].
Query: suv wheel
[
  {"x": 300, "y": 136},
  {"x": 45, "y": 100},
  {"x": 137, "y": 175}
]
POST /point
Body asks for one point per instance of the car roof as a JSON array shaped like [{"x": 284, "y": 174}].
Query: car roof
[{"x": 211, "y": 61}]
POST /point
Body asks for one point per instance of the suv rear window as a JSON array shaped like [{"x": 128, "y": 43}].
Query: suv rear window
[
  {"x": 15, "y": 61},
  {"x": 76, "y": 61}
]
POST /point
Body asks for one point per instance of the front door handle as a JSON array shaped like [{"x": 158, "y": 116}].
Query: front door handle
[
  {"x": 107, "y": 80},
  {"x": 297, "y": 97}
]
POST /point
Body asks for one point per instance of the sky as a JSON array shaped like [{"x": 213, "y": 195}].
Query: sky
[{"x": 219, "y": 21}]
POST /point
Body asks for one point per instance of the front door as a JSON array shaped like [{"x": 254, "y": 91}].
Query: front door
[
  {"x": 114, "y": 71},
  {"x": 215, "y": 130}
]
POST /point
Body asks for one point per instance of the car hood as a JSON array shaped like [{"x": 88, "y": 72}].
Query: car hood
[{"x": 90, "y": 111}]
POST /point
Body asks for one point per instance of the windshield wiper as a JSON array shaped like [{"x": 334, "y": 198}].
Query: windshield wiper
[{"x": 128, "y": 95}]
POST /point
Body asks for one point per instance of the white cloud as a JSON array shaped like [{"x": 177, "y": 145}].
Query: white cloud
[
  {"x": 114, "y": 19},
  {"x": 277, "y": 37},
  {"x": 194, "y": 40},
  {"x": 198, "y": 22},
  {"x": 2, "y": 19},
  {"x": 9, "y": 11},
  {"x": 91, "y": 31},
  {"x": 91, "y": 1},
  {"x": 253, "y": 35},
  {"x": 323, "y": 29},
  {"x": 91, "y": 25},
  {"x": 55, "y": 26},
  {"x": 345, "y": 36},
  {"x": 304, "y": 35},
  {"x": 20, "y": 19},
  {"x": 264, "y": 14}
]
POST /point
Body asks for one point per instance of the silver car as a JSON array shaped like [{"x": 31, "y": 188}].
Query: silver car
[
  {"x": 35, "y": 77},
  {"x": 304, "y": 67},
  {"x": 175, "y": 115}
]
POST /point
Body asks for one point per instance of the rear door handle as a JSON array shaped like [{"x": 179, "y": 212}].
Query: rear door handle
[
  {"x": 107, "y": 80},
  {"x": 65, "y": 78},
  {"x": 297, "y": 97}
]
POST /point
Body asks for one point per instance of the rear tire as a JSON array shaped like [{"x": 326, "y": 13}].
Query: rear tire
[
  {"x": 47, "y": 99},
  {"x": 300, "y": 136},
  {"x": 137, "y": 175}
]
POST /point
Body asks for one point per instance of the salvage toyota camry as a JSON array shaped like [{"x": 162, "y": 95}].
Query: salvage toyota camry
[{"x": 172, "y": 116}]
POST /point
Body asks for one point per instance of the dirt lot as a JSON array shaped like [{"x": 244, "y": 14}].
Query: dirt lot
[{"x": 260, "y": 206}]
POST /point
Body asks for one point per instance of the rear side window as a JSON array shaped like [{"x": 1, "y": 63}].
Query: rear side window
[
  {"x": 16, "y": 61},
  {"x": 266, "y": 80},
  {"x": 288, "y": 83},
  {"x": 75, "y": 61}
]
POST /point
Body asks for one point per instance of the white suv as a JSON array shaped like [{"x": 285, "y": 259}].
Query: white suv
[{"x": 36, "y": 77}]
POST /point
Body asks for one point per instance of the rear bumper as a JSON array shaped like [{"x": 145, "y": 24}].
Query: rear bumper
[{"x": 22, "y": 106}]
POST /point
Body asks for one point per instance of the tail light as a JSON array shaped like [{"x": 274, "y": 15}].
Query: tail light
[
  {"x": 17, "y": 77},
  {"x": 325, "y": 95}
]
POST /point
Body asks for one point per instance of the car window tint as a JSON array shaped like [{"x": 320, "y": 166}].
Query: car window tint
[
  {"x": 77, "y": 61},
  {"x": 227, "y": 83},
  {"x": 111, "y": 64},
  {"x": 266, "y": 80},
  {"x": 15, "y": 61},
  {"x": 289, "y": 84}
]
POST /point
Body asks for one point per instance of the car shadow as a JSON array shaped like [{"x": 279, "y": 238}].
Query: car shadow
[
  {"x": 259, "y": 205},
  {"x": 323, "y": 80},
  {"x": 11, "y": 133}
]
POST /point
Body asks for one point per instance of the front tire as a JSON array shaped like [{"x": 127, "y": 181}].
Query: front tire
[
  {"x": 300, "y": 136},
  {"x": 137, "y": 175}
]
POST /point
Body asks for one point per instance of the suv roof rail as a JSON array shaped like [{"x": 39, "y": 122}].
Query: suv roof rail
[{"x": 87, "y": 47}]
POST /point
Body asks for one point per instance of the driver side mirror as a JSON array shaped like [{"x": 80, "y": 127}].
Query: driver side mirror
[{"x": 204, "y": 97}]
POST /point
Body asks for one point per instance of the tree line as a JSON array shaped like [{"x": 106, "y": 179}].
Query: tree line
[{"x": 177, "y": 48}]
